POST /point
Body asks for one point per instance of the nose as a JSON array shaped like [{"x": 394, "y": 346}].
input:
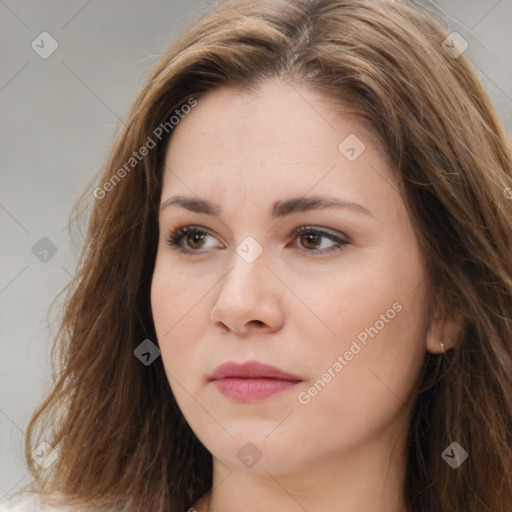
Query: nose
[{"x": 249, "y": 299}]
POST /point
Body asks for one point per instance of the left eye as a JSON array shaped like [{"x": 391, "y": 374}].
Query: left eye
[
  {"x": 189, "y": 239},
  {"x": 311, "y": 239}
]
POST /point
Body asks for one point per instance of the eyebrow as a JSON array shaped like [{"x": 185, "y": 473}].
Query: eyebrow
[{"x": 277, "y": 210}]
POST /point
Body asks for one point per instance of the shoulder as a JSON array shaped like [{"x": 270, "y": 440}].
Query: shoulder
[{"x": 29, "y": 503}]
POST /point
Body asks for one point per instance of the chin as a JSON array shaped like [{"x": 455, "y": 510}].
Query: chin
[{"x": 256, "y": 451}]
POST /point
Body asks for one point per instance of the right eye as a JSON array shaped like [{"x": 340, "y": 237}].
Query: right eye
[{"x": 193, "y": 236}]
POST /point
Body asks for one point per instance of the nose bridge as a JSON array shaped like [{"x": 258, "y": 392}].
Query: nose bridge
[
  {"x": 248, "y": 267},
  {"x": 247, "y": 295}
]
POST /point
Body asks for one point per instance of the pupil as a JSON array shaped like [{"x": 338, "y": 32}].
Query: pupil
[
  {"x": 311, "y": 237},
  {"x": 195, "y": 237}
]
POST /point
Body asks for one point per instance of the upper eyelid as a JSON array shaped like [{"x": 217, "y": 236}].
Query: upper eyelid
[{"x": 303, "y": 227}]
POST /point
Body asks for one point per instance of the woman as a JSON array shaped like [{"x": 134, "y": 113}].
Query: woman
[{"x": 296, "y": 288}]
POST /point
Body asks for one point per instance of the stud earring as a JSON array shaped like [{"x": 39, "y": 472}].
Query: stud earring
[{"x": 442, "y": 347}]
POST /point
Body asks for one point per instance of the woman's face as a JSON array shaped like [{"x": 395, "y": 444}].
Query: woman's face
[{"x": 339, "y": 304}]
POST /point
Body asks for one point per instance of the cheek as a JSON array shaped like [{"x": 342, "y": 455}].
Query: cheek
[
  {"x": 169, "y": 307},
  {"x": 162, "y": 299},
  {"x": 176, "y": 313},
  {"x": 378, "y": 368},
  {"x": 348, "y": 302},
  {"x": 376, "y": 312},
  {"x": 173, "y": 296}
]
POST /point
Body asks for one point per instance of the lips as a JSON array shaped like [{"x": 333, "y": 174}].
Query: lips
[
  {"x": 251, "y": 370},
  {"x": 251, "y": 381}
]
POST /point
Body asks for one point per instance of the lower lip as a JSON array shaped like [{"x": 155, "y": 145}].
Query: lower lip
[{"x": 250, "y": 390}]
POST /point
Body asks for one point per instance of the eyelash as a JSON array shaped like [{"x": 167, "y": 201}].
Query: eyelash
[{"x": 175, "y": 236}]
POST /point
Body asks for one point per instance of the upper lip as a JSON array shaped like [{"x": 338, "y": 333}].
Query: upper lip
[{"x": 251, "y": 370}]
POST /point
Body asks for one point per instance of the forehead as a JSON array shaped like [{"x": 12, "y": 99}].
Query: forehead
[
  {"x": 279, "y": 118},
  {"x": 281, "y": 137}
]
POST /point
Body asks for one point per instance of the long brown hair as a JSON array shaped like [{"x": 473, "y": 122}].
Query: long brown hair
[{"x": 121, "y": 438}]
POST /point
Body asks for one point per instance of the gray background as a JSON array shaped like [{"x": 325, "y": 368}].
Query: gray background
[{"x": 59, "y": 117}]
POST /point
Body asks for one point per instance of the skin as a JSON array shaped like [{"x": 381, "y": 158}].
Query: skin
[{"x": 292, "y": 307}]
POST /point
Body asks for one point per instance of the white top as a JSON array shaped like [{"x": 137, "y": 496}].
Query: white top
[{"x": 29, "y": 503}]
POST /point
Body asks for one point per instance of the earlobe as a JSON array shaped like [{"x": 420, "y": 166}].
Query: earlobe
[{"x": 443, "y": 334}]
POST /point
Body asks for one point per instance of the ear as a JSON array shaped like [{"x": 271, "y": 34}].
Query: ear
[{"x": 445, "y": 330}]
